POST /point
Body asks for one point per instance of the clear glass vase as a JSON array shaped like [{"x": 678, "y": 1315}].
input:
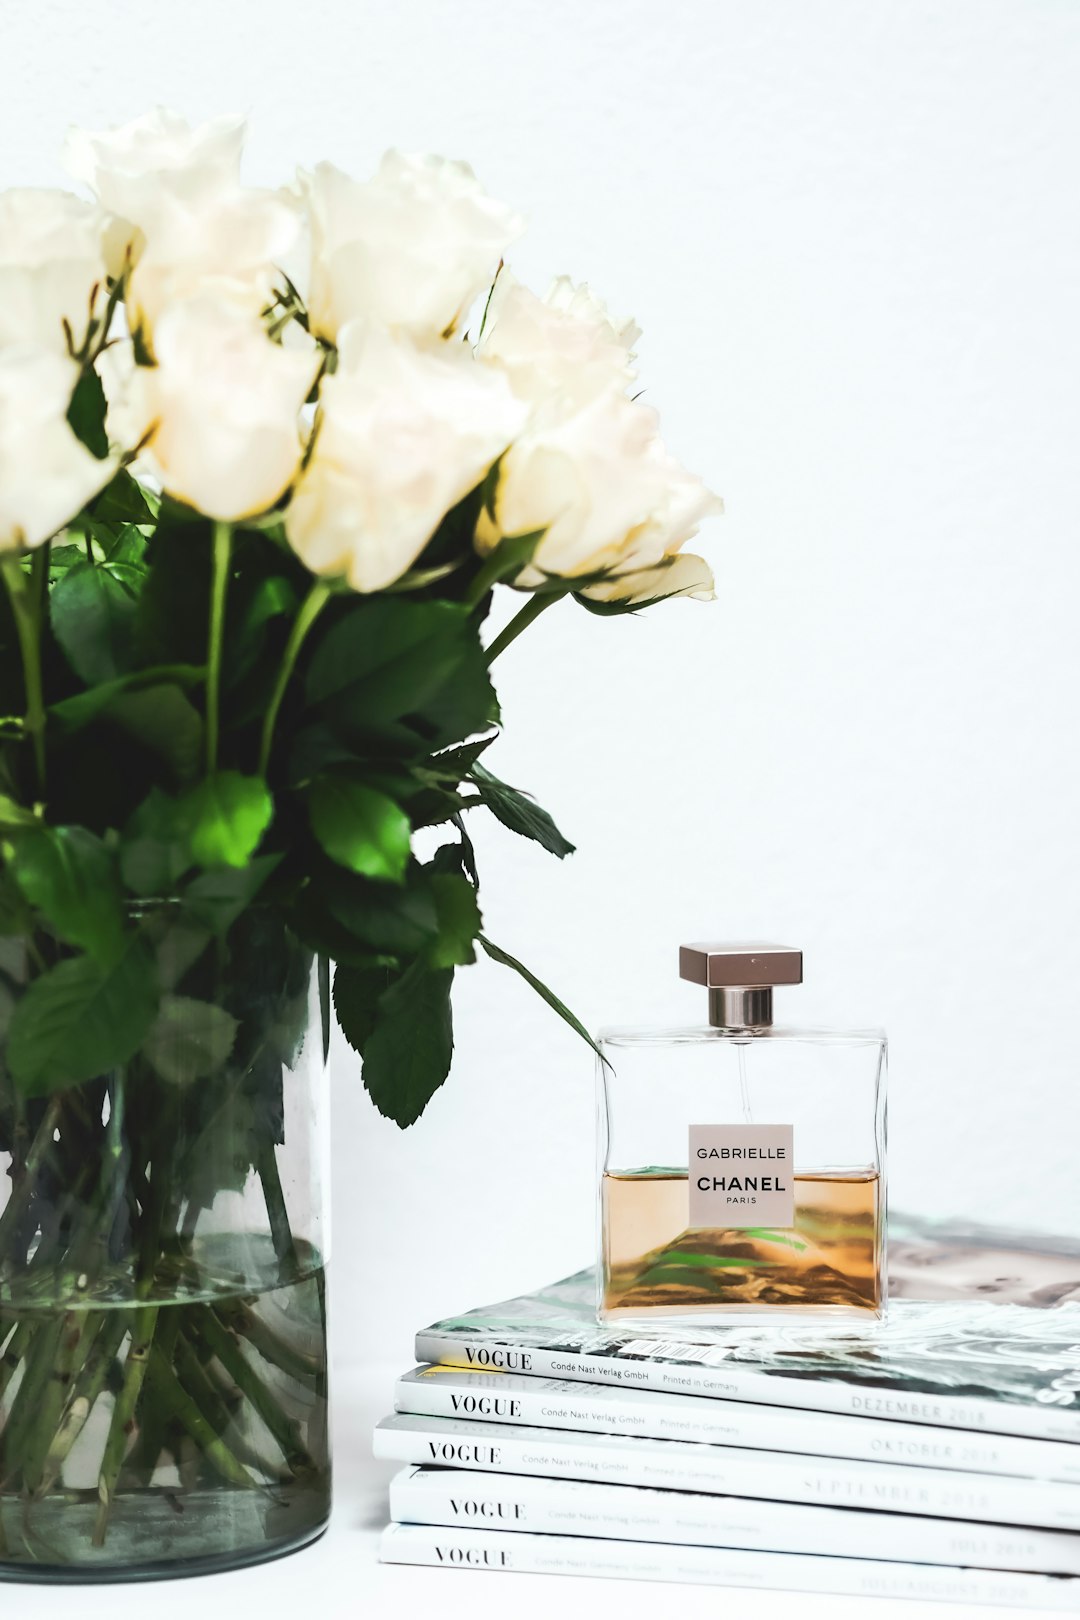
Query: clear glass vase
[{"x": 163, "y": 1363}]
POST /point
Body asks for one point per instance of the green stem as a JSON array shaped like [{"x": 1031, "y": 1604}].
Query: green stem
[
  {"x": 80, "y": 1330},
  {"x": 285, "y": 1430},
  {"x": 175, "y": 1402},
  {"x": 22, "y": 1189},
  {"x": 218, "y": 589},
  {"x": 310, "y": 608},
  {"x": 37, "y": 1368},
  {"x": 27, "y": 597},
  {"x": 261, "y": 1336},
  {"x": 89, "y": 1385},
  {"x": 11, "y": 1360},
  {"x": 521, "y": 621},
  {"x": 280, "y": 1229},
  {"x": 219, "y": 1406},
  {"x": 123, "y": 1417}
]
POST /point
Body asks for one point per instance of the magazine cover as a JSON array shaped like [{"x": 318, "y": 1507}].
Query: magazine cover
[{"x": 983, "y": 1332}]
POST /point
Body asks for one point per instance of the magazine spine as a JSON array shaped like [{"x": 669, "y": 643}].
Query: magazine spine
[
  {"x": 459, "y": 1497},
  {"x": 732, "y": 1382},
  {"x": 555, "y": 1403},
  {"x": 727, "y": 1471},
  {"x": 520, "y": 1551}
]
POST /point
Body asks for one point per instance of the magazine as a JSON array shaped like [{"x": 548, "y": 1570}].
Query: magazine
[
  {"x": 473, "y": 1499},
  {"x": 983, "y": 1333},
  {"x": 516, "y": 1551},
  {"x": 681, "y": 1465},
  {"x": 498, "y": 1397}
]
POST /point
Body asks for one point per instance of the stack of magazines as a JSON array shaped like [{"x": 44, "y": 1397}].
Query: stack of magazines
[{"x": 936, "y": 1455}]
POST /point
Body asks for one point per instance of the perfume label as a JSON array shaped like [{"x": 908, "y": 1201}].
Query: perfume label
[{"x": 742, "y": 1175}]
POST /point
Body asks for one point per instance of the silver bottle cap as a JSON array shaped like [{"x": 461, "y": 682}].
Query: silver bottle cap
[{"x": 740, "y": 979}]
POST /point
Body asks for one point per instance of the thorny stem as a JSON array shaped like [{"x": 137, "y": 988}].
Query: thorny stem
[
  {"x": 123, "y": 1418},
  {"x": 88, "y": 1386},
  {"x": 310, "y": 608},
  {"x": 80, "y": 1329}
]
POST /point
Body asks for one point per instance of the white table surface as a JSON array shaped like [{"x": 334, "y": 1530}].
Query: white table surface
[{"x": 339, "y": 1578}]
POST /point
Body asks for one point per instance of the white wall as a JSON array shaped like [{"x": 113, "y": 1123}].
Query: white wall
[{"x": 850, "y": 230}]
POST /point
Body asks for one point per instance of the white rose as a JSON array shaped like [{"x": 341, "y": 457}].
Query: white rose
[
  {"x": 127, "y": 407},
  {"x": 559, "y": 351},
  {"x": 46, "y": 474},
  {"x": 403, "y": 434},
  {"x": 228, "y": 245},
  {"x": 580, "y": 300},
  {"x": 412, "y": 247},
  {"x": 684, "y": 503},
  {"x": 681, "y": 575},
  {"x": 52, "y": 268},
  {"x": 588, "y": 481},
  {"x": 224, "y": 402},
  {"x": 604, "y": 490},
  {"x": 159, "y": 156}
]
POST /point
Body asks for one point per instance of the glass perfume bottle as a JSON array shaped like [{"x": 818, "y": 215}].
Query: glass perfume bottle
[{"x": 742, "y": 1166}]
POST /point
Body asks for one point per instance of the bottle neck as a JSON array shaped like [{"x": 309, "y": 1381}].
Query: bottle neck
[{"x": 741, "y": 1009}]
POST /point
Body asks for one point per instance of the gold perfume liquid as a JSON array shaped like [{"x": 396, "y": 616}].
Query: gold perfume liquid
[{"x": 654, "y": 1263}]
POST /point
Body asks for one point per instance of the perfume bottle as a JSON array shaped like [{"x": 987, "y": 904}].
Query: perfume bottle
[{"x": 742, "y": 1165}]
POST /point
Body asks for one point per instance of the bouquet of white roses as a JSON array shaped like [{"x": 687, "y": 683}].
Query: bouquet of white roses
[
  {"x": 264, "y": 458},
  {"x": 258, "y": 479}
]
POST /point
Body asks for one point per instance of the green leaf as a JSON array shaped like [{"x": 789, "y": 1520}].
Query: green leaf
[
  {"x": 316, "y": 749},
  {"x": 217, "y": 898},
  {"x": 519, "y": 812},
  {"x": 228, "y": 814},
  {"x": 15, "y": 815},
  {"x": 260, "y": 604},
  {"x": 69, "y": 876},
  {"x": 166, "y": 722},
  {"x": 16, "y": 918},
  {"x": 497, "y": 954},
  {"x": 390, "y": 922},
  {"x": 73, "y": 713},
  {"x": 452, "y": 764},
  {"x": 384, "y": 657},
  {"x": 189, "y": 1039},
  {"x": 93, "y": 617},
  {"x": 415, "y": 669},
  {"x": 360, "y": 828},
  {"x": 462, "y": 706},
  {"x": 171, "y": 620},
  {"x": 82, "y": 1019},
  {"x": 154, "y": 852},
  {"x": 357, "y": 991},
  {"x": 408, "y": 1052},
  {"x": 459, "y": 920},
  {"x": 468, "y": 854},
  {"x": 124, "y": 548},
  {"x": 178, "y": 941},
  {"x": 124, "y": 501},
  {"x": 86, "y": 414},
  {"x": 61, "y": 558},
  {"x": 435, "y": 806}
]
